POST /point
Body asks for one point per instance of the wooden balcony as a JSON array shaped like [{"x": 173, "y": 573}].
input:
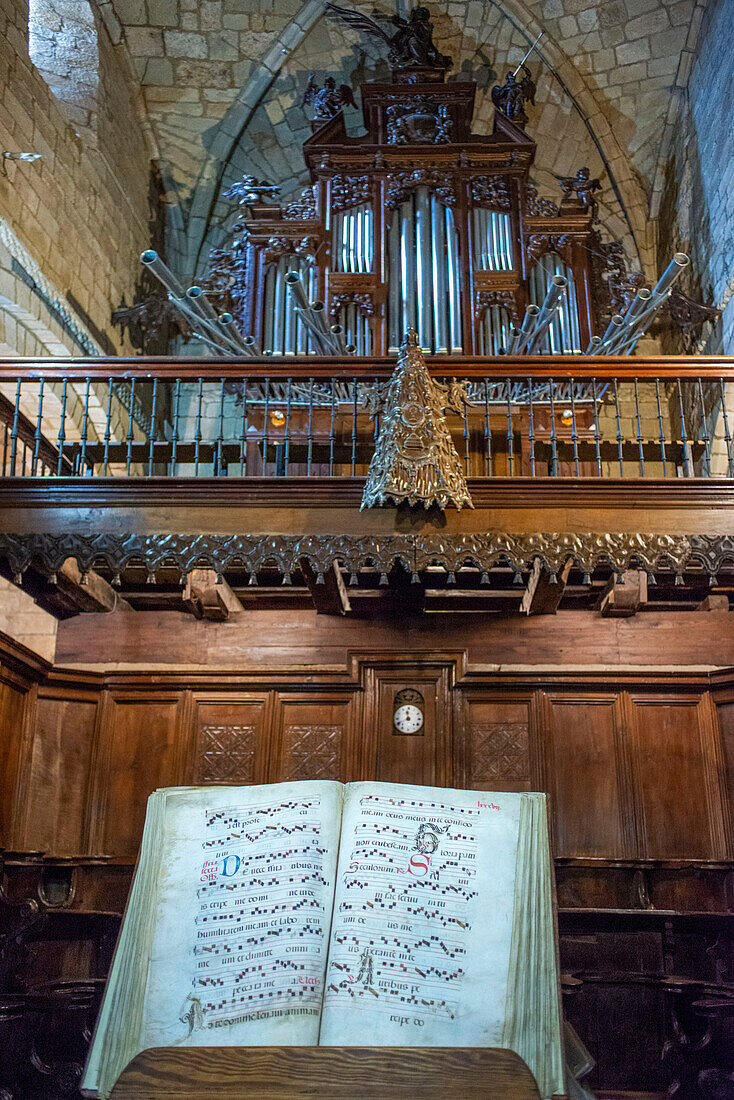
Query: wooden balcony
[{"x": 137, "y": 473}]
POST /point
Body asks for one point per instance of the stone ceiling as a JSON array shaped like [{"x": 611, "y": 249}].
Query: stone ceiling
[{"x": 222, "y": 82}]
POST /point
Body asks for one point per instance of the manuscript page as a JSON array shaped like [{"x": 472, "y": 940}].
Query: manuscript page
[
  {"x": 245, "y": 899},
  {"x": 421, "y": 934}
]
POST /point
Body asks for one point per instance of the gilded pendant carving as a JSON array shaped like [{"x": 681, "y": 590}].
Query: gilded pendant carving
[{"x": 415, "y": 458}]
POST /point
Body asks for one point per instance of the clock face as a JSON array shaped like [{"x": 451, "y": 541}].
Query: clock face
[{"x": 408, "y": 718}]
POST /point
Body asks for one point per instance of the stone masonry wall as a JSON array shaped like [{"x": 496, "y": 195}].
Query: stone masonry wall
[
  {"x": 81, "y": 211},
  {"x": 697, "y": 213}
]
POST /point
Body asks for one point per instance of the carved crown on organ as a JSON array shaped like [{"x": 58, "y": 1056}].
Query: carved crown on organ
[{"x": 418, "y": 223}]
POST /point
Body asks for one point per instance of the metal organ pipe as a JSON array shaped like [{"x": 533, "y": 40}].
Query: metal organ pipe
[{"x": 529, "y": 322}]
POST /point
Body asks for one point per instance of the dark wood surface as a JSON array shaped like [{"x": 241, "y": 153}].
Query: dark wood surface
[
  {"x": 341, "y": 1073},
  {"x": 313, "y": 366}
]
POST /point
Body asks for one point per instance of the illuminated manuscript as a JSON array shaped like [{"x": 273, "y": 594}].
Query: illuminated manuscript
[{"x": 313, "y": 913}]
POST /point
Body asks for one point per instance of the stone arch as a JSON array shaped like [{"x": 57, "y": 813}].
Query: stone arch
[
  {"x": 624, "y": 181},
  {"x": 63, "y": 45}
]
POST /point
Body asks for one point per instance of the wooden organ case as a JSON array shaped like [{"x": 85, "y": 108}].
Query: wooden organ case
[{"x": 419, "y": 223}]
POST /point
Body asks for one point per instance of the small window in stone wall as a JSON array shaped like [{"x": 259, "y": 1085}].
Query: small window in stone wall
[{"x": 62, "y": 43}]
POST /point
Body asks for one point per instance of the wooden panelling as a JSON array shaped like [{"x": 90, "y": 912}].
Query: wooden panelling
[
  {"x": 283, "y": 639},
  {"x": 139, "y": 751},
  {"x": 59, "y": 773},
  {"x": 312, "y": 739},
  {"x": 726, "y": 722},
  {"x": 12, "y": 712},
  {"x": 591, "y": 806},
  {"x": 497, "y": 749},
  {"x": 677, "y": 767},
  {"x": 229, "y": 740}
]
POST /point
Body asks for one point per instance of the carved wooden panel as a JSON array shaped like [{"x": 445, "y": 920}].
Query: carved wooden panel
[
  {"x": 140, "y": 752},
  {"x": 229, "y": 741},
  {"x": 313, "y": 738},
  {"x": 59, "y": 772},
  {"x": 591, "y": 806},
  {"x": 226, "y": 754},
  {"x": 498, "y": 749},
  {"x": 311, "y": 752},
  {"x": 391, "y": 757},
  {"x": 726, "y": 721}
]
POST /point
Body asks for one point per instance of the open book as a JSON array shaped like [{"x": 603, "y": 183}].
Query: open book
[{"x": 316, "y": 913}]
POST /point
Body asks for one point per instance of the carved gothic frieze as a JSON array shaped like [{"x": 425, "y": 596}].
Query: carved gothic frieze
[
  {"x": 506, "y": 299},
  {"x": 400, "y": 184},
  {"x": 419, "y": 119},
  {"x": 349, "y": 191},
  {"x": 540, "y": 244},
  {"x": 363, "y": 299},
  {"x": 538, "y": 206},
  {"x": 286, "y": 246},
  {"x": 303, "y": 208},
  {"x": 251, "y": 553},
  {"x": 491, "y": 191}
]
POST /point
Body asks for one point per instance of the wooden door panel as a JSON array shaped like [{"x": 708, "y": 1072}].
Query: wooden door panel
[
  {"x": 676, "y": 753},
  {"x": 12, "y": 712},
  {"x": 497, "y": 747},
  {"x": 62, "y": 747},
  {"x": 230, "y": 741},
  {"x": 312, "y": 742},
  {"x": 143, "y": 754},
  {"x": 590, "y": 805}
]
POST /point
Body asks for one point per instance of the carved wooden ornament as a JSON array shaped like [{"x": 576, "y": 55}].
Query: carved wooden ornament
[{"x": 415, "y": 458}]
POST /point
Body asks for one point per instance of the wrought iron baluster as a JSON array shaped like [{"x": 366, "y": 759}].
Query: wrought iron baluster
[
  {"x": 287, "y": 426},
  {"x": 640, "y": 451},
  {"x": 510, "y": 440},
  {"x": 14, "y": 430},
  {"x": 619, "y": 429},
  {"x": 704, "y": 431},
  {"x": 354, "y": 430},
  {"x": 85, "y": 429},
  {"x": 265, "y": 423},
  {"x": 661, "y": 432},
  {"x": 531, "y": 427},
  {"x": 487, "y": 432},
  {"x": 174, "y": 434},
  {"x": 151, "y": 441},
  {"x": 727, "y": 436},
  {"x": 596, "y": 428},
  {"x": 310, "y": 427},
  {"x": 130, "y": 429},
  {"x": 331, "y": 429},
  {"x": 37, "y": 433},
  {"x": 62, "y": 429},
  {"x": 685, "y": 442},
  {"x": 243, "y": 436},
  {"x": 107, "y": 430},
  {"x": 220, "y": 433},
  {"x": 554, "y": 437},
  {"x": 197, "y": 434},
  {"x": 574, "y": 435}
]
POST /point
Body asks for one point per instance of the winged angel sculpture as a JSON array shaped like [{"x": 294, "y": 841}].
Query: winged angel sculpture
[
  {"x": 327, "y": 101},
  {"x": 415, "y": 458},
  {"x": 410, "y": 46}
]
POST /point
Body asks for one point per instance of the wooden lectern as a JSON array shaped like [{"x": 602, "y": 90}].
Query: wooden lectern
[{"x": 331, "y": 1073}]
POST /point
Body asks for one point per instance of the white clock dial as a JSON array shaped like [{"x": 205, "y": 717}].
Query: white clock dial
[{"x": 408, "y": 718}]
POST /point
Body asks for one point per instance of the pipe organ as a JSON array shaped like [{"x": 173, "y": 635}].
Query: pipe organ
[{"x": 419, "y": 224}]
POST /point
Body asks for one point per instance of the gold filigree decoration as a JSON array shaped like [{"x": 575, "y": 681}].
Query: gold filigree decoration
[{"x": 415, "y": 458}]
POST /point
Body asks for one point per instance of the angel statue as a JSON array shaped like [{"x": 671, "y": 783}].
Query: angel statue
[
  {"x": 583, "y": 187},
  {"x": 249, "y": 189},
  {"x": 415, "y": 459},
  {"x": 511, "y": 97},
  {"x": 409, "y": 47},
  {"x": 327, "y": 101}
]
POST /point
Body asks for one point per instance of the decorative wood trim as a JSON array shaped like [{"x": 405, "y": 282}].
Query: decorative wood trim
[
  {"x": 717, "y": 795},
  {"x": 95, "y": 800},
  {"x": 631, "y": 821},
  {"x": 346, "y": 492}
]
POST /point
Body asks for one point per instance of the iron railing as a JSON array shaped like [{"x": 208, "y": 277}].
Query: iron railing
[{"x": 540, "y": 417}]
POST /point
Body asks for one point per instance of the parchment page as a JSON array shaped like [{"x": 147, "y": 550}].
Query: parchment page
[
  {"x": 245, "y": 900},
  {"x": 420, "y": 939}
]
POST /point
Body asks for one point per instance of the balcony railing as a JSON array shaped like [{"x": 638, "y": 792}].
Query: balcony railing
[{"x": 542, "y": 417}]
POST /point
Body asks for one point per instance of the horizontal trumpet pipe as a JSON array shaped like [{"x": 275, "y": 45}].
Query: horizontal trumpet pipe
[
  {"x": 337, "y": 333},
  {"x": 528, "y": 325},
  {"x": 593, "y": 345},
  {"x": 616, "y": 322},
  {"x": 556, "y": 288},
  {"x": 226, "y": 320},
  {"x": 162, "y": 272},
  {"x": 637, "y": 307}
]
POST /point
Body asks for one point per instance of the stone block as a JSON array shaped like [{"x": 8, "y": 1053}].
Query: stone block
[
  {"x": 185, "y": 45},
  {"x": 629, "y": 52},
  {"x": 163, "y": 13}
]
